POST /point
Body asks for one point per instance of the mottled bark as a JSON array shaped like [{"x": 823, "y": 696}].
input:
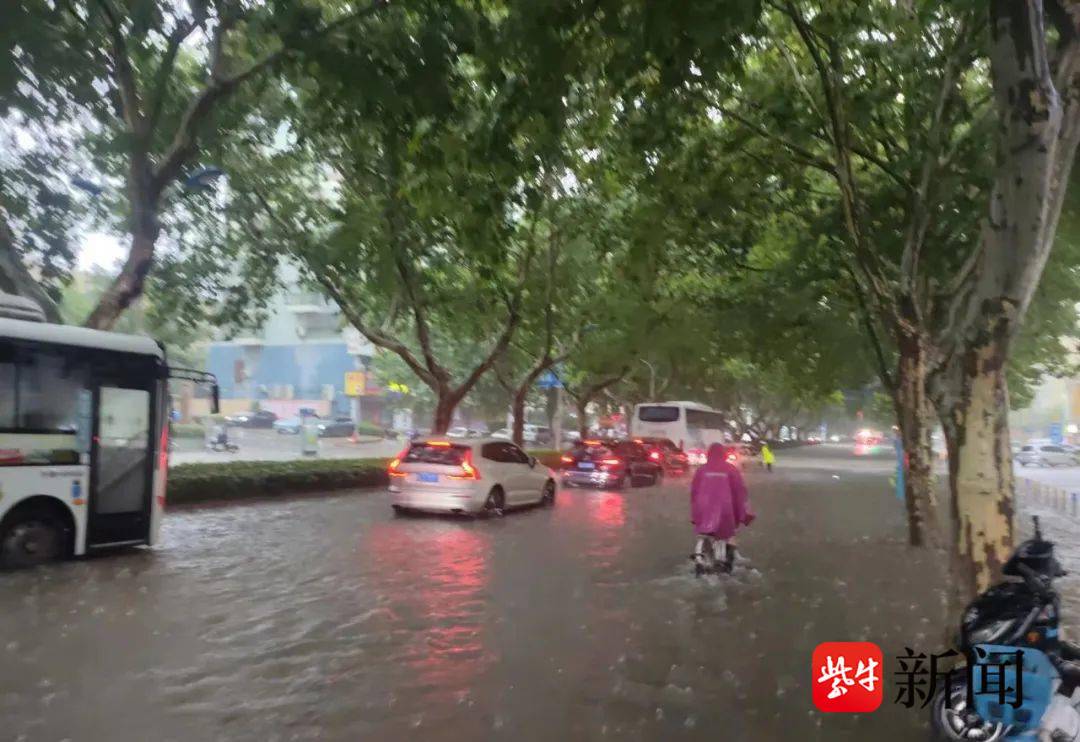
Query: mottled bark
[
  {"x": 912, "y": 413},
  {"x": 974, "y": 406}
]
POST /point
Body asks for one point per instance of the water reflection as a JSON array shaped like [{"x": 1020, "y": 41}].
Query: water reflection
[
  {"x": 435, "y": 581},
  {"x": 606, "y": 517}
]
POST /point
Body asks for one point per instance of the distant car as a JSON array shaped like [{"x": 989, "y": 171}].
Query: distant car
[
  {"x": 610, "y": 463},
  {"x": 339, "y": 427},
  {"x": 459, "y": 431},
  {"x": 290, "y": 425},
  {"x": 502, "y": 434},
  {"x": 671, "y": 457},
  {"x": 1046, "y": 455},
  {"x": 447, "y": 475},
  {"x": 257, "y": 419}
]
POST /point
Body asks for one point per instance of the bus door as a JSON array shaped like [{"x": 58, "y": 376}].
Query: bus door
[{"x": 121, "y": 470}]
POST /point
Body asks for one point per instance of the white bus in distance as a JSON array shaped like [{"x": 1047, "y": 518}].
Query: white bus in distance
[
  {"x": 691, "y": 426},
  {"x": 83, "y": 437}
]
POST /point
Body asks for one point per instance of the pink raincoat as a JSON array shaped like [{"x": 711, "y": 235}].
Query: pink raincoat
[{"x": 718, "y": 497}]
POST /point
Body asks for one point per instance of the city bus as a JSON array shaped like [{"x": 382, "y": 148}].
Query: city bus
[
  {"x": 691, "y": 426},
  {"x": 83, "y": 437}
]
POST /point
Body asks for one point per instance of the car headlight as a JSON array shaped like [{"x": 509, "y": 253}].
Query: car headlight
[{"x": 989, "y": 633}]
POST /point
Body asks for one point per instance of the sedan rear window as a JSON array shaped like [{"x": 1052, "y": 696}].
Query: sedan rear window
[
  {"x": 591, "y": 451},
  {"x": 426, "y": 453}
]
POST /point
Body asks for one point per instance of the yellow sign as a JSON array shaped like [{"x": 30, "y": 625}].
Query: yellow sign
[{"x": 354, "y": 383}]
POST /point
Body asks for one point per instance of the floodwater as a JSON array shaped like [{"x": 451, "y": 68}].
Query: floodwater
[{"x": 329, "y": 618}]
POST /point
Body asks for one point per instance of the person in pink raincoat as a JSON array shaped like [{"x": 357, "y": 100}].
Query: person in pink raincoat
[{"x": 718, "y": 507}]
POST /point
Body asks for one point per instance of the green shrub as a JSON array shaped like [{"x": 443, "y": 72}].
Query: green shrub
[
  {"x": 186, "y": 430},
  {"x": 370, "y": 429},
  {"x": 189, "y": 483}
]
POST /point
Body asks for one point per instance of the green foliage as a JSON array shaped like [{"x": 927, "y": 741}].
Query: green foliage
[{"x": 189, "y": 483}]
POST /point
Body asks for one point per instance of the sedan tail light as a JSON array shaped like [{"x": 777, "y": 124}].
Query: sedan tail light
[
  {"x": 393, "y": 471},
  {"x": 394, "y": 468},
  {"x": 611, "y": 462},
  {"x": 468, "y": 471},
  {"x": 566, "y": 459},
  {"x": 654, "y": 455}
]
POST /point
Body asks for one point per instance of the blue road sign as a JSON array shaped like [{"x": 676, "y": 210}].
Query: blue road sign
[
  {"x": 548, "y": 380},
  {"x": 1055, "y": 434}
]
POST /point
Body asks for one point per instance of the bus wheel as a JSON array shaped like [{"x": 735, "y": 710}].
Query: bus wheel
[{"x": 31, "y": 540}]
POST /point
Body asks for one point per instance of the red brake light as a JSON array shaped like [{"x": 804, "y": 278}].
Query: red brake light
[
  {"x": 566, "y": 459},
  {"x": 468, "y": 471},
  {"x": 592, "y": 443},
  {"x": 440, "y": 444},
  {"x": 392, "y": 470},
  {"x": 654, "y": 455},
  {"x": 732, "y": 457},
  {"x": 611, "y": 462}
]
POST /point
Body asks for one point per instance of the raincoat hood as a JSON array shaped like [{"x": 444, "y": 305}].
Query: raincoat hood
[{"x": 717, "y": 454}]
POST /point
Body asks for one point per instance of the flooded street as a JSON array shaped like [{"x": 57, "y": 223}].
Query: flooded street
[{"x": 330, "y": 618}]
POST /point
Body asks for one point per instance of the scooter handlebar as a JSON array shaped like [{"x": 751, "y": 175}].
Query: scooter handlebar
[{"x": 1034, "y": 580}]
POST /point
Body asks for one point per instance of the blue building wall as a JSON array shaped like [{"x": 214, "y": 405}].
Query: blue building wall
[{"x": 306, "y": 366}]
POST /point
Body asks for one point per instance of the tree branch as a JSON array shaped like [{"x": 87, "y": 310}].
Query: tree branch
[
  {"x": 131, "y": 110},
  {"x": 168, "y": 61},
  {"x": 218, "y": 87}
]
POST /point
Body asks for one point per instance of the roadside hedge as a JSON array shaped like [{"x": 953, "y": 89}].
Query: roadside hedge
[
  {"x": 191, "y": 483},
  {"x": 188, "y": 483}
]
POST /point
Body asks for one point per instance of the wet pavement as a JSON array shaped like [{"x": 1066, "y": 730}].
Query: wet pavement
[{"x": 330, "y": 618}]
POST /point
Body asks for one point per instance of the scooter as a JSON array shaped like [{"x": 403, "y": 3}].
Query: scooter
[
  {"x": 220, "y": 441},
  {"x": 705, "y": 561},
  {"x": 1021, "y": 613}
]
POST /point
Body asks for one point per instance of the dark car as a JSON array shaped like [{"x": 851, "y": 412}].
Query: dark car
[
  {"x": 338, "y": 427},
  {"x": 610, "y": 463},
  {"x": 257, "y": 419},
  {"x": 671, "y": 457}
]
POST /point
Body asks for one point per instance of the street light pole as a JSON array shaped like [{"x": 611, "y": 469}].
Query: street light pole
[{"x": 652, "y": 380}]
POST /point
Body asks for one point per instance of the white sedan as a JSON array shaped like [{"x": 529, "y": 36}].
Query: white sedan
[
  {"x": 1046, "y": 455},
  {"x": 436, "y": 474}
]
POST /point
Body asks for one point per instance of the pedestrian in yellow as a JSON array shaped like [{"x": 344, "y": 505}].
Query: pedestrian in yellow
[{"x": 767, "y": 457}]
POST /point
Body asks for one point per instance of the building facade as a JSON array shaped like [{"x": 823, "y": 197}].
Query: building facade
[{"x": 302, "y": 357}]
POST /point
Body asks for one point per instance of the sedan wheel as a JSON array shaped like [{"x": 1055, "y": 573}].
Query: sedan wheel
[
  {"x": 548, "y": 495},
  {"x": 496, "y": 502}
]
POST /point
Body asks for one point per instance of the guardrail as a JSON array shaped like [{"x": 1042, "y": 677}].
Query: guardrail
[{"x": 1063, "y": 499}]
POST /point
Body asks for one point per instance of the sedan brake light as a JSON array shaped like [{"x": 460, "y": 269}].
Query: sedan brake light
[
  {"x": 393, "y": 470},
  {"x": 611, "y": 462},
  {"x": 566, "y": 459},
  {"x": 468, "y": 471},
  {"x": 654, "y": 455}
]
